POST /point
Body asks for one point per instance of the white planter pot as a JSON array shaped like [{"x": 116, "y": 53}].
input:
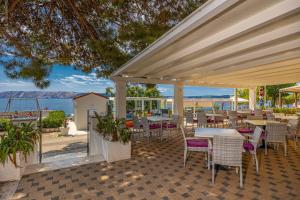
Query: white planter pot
[
  {"x": 9, "y": 172},
  {"x": 111, "y": 151}
]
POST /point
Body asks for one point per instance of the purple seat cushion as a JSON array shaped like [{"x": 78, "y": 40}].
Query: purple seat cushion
[
  {"x": 154, "y": 126},
  {"x": 169, "y": 126},
  {"x": 197, "y": 143},
  {"x": 248, "y": 146},
  {"x": 245, "y": 130},
  {"x": 210, "y": 121},
  {"x": 195, "y": 120}
]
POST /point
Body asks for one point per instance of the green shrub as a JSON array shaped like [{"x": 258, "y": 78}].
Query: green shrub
[
  {"x": 55, "y": 119},
  {"x": 285, "y": 110},
  {"x": 4, "y": 123}
]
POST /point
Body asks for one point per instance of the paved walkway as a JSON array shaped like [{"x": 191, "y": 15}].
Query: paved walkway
[{"x": 156, "y": 172}]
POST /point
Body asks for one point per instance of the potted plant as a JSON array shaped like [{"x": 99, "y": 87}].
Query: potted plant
[
  {"x": 18, "y": 148},
  {"x": 110, "y": 138},
  {"x": 65, "y": 129}
]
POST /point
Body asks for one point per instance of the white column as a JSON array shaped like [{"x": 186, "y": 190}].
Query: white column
[
  {"x": 265, "y": 95},
  {"x": 135, "y": 105},
  {"x": 178, "y": 101},
  {"x": 252, "y": 98},
  {"x": 236, "y": 103},
  {"x": 120, "y": 99},
  {"x": 143, "y": 105}
]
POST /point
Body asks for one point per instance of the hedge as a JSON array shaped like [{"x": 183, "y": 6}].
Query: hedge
[
  {"x": 55, "y": 119},
  {"x": 286, "y": 110}
]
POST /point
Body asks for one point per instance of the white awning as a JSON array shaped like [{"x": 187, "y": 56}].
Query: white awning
[
  {"x": 225, "y": 43},
  {"x": 295, "y": 89}
]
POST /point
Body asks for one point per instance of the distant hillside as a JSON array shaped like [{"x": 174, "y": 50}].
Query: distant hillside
[
  {"x": 69, "y": 95},
  {"x": 38, "y": 94}
]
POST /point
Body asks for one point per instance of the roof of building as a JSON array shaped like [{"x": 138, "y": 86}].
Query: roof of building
[{"x": 89, "y": 93}]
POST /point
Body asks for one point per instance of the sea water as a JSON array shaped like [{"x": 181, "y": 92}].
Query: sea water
[{"x": 31, "y": 104}]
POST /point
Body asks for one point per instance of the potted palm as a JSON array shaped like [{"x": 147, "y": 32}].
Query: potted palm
[
  {"x": 18, "y": 148},
  {"x": 111, "y": 138}
]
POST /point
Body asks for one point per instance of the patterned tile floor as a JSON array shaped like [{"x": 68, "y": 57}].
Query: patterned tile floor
[{"x": 156, "y": 172}]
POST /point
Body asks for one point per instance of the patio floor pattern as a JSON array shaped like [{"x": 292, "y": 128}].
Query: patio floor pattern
[{"x": 156, "y": 172}]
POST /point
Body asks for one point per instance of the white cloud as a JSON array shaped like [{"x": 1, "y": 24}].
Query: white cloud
[
  {"x": 14, "y": 84},
  {"x": 76, "y": 80}
]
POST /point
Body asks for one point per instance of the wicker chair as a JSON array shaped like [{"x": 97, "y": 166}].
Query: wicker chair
[
  {"x": 270, "y": 116},
  {"x": 252, "y": 144},
  {"x": 172, "y": 125},
  {"x": 233, "y": 119},
  {"x": 227, "y": 151},
  {"x": 149, "y": 130},
  {"x": 201, "y": 120},
  {"x": 189, "y": 119},
  {"x": 294, "y": 130},
  {"x": 276, "y": 133},
  {"x": 193, "y": 144},
  {"x": 137, "y": 127},
  {"x": 258, "y": 112}
]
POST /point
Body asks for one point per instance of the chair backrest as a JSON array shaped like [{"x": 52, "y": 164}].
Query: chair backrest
[
  {"x": 256, "y": 136},
  {"x": 227, "y": 150},
  {"x": 270, "y": 116},
  {"x": 232, "y": 114},
  {"x": 258, "y": 112},
  {"x": 136, "y": 122},
  {"x": 175, "y": 120},
  {"x": 294, "y": 125},
  {"x": 189, "y": 117},
  {"x": 223, "y": 112},
  {"x": 145, "y": 124},
  {"x": 201, "y": 118},
  {"x": 276, "y": 132},
  {"x": 255, "y": 117}
]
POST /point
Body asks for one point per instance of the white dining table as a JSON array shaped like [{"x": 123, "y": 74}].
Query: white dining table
[
  {"x": 159, "y": 119},
  {"x": 214, "y": 115},
  {"x": 260, "y": 122},
  {"x": 211, "y": 132}
]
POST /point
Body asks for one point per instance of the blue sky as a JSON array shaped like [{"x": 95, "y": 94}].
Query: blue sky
[{"x": 65, "y": 78}]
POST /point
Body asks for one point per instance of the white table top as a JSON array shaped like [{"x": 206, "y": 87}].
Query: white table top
[
  {"x": 158, "y": 118},
  {"x": 211, "y": 132},
  {"x": 260, "y": 122},
  {"x": 243, "y": 111},
  {"x": 214, "y": 115}
]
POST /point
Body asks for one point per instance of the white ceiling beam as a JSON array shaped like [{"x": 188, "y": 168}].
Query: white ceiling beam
[
  {"x": 252, "y": 42},
  {"x": 231, "y": 61},
  {"x": 143, "y": 80},
  {"x": 294, "y": 54},
  {"x": 269, "y": 72},
  {"x": 271, "y": 14},
  {"x": 278, "y": 65}
]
